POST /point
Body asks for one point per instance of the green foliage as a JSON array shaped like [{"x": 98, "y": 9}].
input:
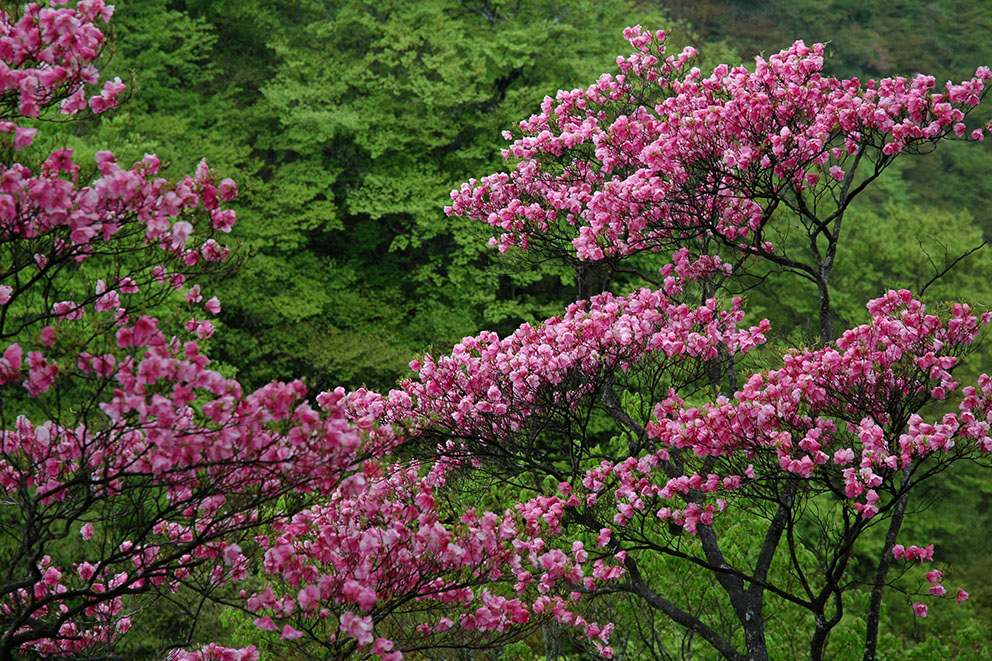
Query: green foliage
[
  {"x": 346, "y": 124},
  {"x": 890, "y": 241},
  {"x": 381, "y": 109}
]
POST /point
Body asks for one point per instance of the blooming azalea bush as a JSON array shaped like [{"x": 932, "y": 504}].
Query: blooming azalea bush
[
  {"x": 701, "y": 154},
  {"x": 661, "y": 157}
]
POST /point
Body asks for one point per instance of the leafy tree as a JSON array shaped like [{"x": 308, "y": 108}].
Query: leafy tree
[{"x": 379, "y": 109}]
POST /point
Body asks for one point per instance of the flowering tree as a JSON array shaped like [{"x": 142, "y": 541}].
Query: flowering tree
[
  {"x": 660, "y": 157},
  {"x": 601, "y": 414},
  {"x": 128, "y": 467}
]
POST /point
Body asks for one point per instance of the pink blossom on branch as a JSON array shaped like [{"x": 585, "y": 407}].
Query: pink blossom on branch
[
  {"x": 659, "y": 154},
  {"x": 207, "y": 469},
  {"x": 385, "y": 545},
  {"x": 497, "y": 384},
  {"x": 800, "y": 416}
]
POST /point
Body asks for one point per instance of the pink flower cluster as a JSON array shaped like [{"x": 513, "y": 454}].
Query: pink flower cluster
[
  {"x": 384, "y": 528},
  {"x": 933, "y": 576},
  {"x": 802, "y": 414},
  {"x": 32, "y": 205},
  {"x": 622, "y": 176},
  {"x": 488, "y": 387},
  {"x": 379, "y": 542},
  {"x": 104, "y": 620},
  {"x": 47, "y": 56},
  {"x": 214, "y": 652}
]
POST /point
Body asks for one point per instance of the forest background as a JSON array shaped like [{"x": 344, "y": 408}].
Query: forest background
[{"x": 347, "y": 123}]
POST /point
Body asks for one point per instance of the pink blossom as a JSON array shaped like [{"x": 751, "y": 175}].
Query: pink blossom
[
  {"x": 604, "y": 537},
  {"x": 193, "y": 295},
  {"x": 266, "y": 624},
  {"x": 47, "y": 336},
  {"x": 222, "y": 219},
  {"x": 232, "y": 554},
  {"x": 10, "y": 364},
  {"x": 24, "y": 137},
  {"x": 289, "y": 633},
  {"x": 181, "y": 232},
  {"x": 359, "y": 628},
  {"x": 228, "y": 189},
  {"x": 309, "y": 597}
]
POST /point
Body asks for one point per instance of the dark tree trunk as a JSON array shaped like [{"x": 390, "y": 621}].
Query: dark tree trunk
[{"x": 884, "y": 562}]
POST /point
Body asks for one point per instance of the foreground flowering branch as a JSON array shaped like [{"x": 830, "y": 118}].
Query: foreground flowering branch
[{"x": 128, "y": 467}]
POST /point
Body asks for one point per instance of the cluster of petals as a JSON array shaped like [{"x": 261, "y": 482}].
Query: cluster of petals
[
  {"x": 47, "y": 56},
  {"x": 637, "y": 483},
  {"x": 52, "y": 202},
  {"x": 46, "y": 60},
  {"x": 489, "y": 386},
  {"x": 103, "y": 622},
  {"x": 486, "y": 389},
  {"x": 214, "y": 652},
  {"x": 826, "y": 411},
  {"x": 380, "y": 541},
  {"x": 623, "y": 176},
  {"x": 156, "y": 430},
  {"x": 933, "y": 577}
]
